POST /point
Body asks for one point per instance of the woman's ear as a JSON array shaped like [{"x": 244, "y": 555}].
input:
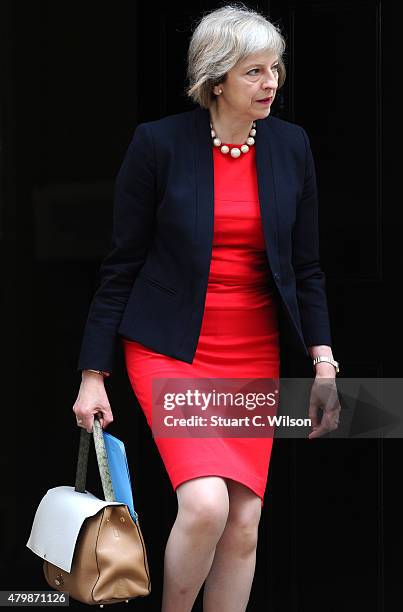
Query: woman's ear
[{"x": 217, "y": 90}]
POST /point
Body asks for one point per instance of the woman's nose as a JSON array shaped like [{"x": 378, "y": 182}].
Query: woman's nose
[
  {"x": 269, "y": 85},
  {"x": 271, "y": 82}
]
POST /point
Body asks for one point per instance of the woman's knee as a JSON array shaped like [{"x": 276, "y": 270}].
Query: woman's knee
[
  {"x": 244, "y": 534},
  {"x": 203, "y": 504},
  {"x": 243, "y": 525}
]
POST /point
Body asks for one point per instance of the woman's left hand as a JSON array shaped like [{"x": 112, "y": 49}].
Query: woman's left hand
[{"x": 324, "y": 396}]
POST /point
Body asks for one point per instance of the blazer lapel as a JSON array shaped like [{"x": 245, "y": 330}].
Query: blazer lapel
[
  {"x": 204, "y": 168},
  {"x": 265, "y": 163}
]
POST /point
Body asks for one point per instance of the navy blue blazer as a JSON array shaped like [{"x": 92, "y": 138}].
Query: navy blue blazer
[{"x": 152, "y": 284}]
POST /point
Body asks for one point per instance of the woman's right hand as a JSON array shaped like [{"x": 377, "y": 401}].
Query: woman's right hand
[{"x": 91, "y": 400}]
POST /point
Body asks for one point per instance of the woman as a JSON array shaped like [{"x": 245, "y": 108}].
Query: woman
[{"x": 215, "y": 238}]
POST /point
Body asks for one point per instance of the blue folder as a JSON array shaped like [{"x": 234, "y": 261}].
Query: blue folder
[{"x": 119, "y": 469}]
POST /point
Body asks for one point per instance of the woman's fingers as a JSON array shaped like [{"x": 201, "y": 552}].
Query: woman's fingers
[
  {"x": 104, "y": 415},
  {"x": 92, "y": 400},
  {"x": 324, "y": 396},
  {"x": 329, "y": 422}
]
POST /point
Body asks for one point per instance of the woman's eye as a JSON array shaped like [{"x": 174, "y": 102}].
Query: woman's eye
[{"x": 274, "y": 68}]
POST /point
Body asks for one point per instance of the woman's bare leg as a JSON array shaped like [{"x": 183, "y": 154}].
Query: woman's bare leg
[
  {"x": 203, "y": 506},
  {"x": 228, "y": 584}
]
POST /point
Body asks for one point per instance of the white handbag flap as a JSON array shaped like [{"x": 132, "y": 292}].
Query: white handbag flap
[{"x": 57, "y": 523}]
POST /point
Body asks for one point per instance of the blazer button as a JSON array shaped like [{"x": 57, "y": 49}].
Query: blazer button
[{"x": 276, "y": 275}]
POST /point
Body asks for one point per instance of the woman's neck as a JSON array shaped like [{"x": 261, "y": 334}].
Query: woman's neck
[{"x": 229, "y": 129}]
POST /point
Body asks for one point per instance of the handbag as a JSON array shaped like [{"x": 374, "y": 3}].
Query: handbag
[{"x": 93, "y": 549}]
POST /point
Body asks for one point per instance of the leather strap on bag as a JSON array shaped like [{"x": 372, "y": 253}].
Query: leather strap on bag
[{"x": 102, "y": 459}]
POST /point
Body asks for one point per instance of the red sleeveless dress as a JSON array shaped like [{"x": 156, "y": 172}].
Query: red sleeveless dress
[{"x": 239, "y": 336}]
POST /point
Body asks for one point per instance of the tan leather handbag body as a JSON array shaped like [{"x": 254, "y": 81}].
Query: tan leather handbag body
[{"x": 96, "y": 553}]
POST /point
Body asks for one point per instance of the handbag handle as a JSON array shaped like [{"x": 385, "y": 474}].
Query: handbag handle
[{"x": 102, "y": 459}]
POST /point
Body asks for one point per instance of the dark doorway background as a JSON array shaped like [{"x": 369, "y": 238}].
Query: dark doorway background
[{"x": 76, "y": 79}]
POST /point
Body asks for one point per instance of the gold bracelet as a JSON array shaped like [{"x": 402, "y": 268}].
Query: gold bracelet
[
  {"x": 96, "y": 372},
  {"x": 320, "y": 358}
]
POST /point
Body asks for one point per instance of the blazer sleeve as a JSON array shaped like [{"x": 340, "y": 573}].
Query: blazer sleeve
[
  {"x": 133, "y": 222},
  {"x": 310, "y": 279}
]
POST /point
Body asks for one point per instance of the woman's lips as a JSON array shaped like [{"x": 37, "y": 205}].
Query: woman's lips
[{"x": 265, "y": 101}]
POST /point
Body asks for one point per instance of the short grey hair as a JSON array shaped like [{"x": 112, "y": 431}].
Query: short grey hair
[{"x": 220, "y": 40}]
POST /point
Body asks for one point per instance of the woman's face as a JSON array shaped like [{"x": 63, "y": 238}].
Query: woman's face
[{"x": 252, "y": 79}]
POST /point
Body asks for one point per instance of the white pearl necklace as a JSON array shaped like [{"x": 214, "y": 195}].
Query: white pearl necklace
[{"x": 235, "y": 151}]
